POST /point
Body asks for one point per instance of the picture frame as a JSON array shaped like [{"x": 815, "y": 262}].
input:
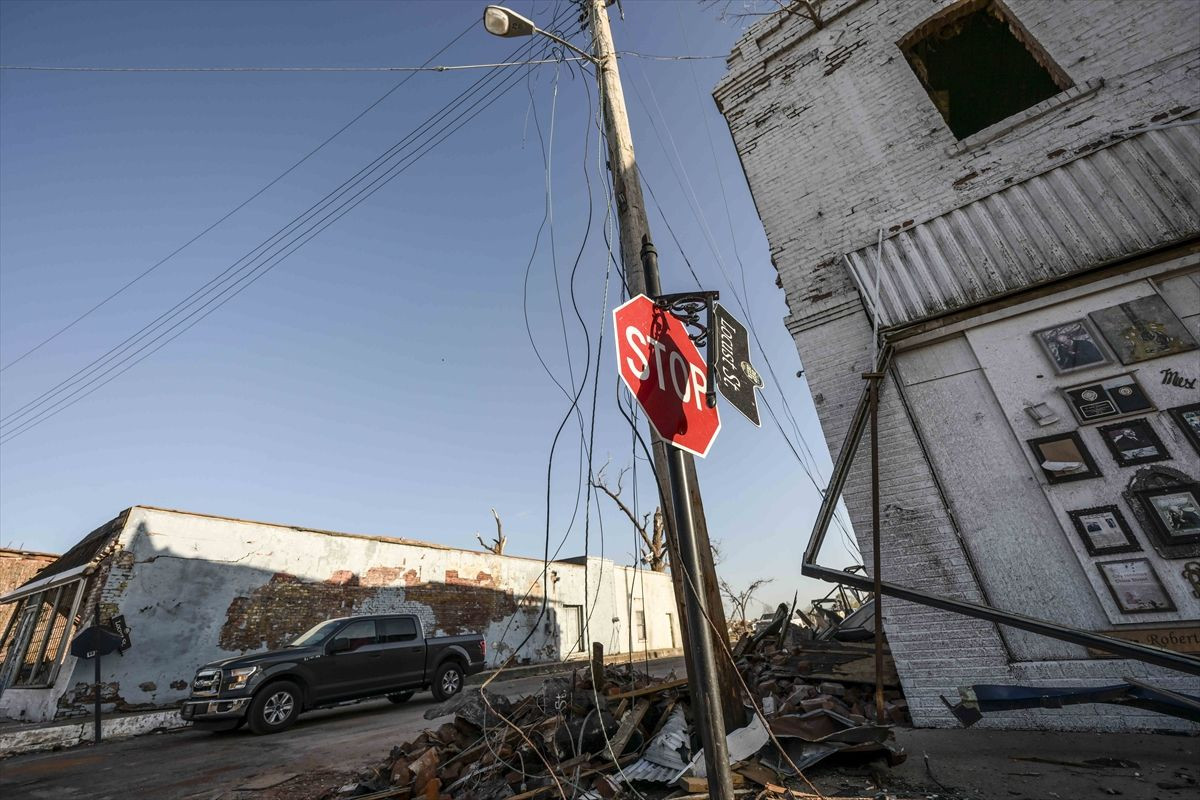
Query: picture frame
[
  {"x": 1109, "y": 398},
  {"x": 1188, "y": 419},
  {"x": 1135, "y": 586},
  {"x": 1142, "y": 329},
  {"x": 1104, "y": 531},
  {"x": 1173, "y": 511},
  {"x": 1072, "y": 346},
  {"x": 1133, "y": 441},
  {"x": 1067, "y": 450}
]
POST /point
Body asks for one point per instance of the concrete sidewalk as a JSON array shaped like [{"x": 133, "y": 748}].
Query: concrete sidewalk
[{"x": 32, "y": 737}]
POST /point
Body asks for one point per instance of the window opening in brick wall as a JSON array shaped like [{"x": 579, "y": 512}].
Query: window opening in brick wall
[
  {"x": 980, "y": 66},
  {"x": 640, "y": 619}
]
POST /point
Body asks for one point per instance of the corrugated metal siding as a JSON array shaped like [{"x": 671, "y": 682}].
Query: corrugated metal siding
[{"x": 1135, "y": 195}]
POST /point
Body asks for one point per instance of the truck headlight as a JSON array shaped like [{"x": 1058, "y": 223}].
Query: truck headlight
[{"x": 238, "y": 678}]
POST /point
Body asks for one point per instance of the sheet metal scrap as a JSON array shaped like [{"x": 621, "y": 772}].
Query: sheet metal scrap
[{"x": 988, "y": 698}]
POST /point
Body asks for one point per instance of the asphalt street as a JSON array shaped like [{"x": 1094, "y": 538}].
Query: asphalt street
[{"x": 323, "y": 746}]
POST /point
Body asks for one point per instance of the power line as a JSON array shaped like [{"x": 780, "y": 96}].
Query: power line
[
  {"x": 685, "y": 184},
  {"x": 91, "y": 374},
  {"x": 236, "y": 208},
  {"x": 423, "y": 68}
]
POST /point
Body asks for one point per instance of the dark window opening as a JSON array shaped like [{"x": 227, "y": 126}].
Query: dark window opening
[{"x": 980, "y": 66}]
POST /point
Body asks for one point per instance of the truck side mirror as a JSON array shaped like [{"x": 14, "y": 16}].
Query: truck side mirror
[{"x": 339, "y": 645}]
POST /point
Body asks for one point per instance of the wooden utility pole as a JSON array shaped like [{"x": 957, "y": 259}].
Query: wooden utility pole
[{"x": 707, "y": 665}]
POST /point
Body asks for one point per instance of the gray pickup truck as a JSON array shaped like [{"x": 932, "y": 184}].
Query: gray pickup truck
[{"x": 349, "y": 658}]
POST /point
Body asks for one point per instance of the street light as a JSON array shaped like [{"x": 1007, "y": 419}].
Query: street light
[{"x": 501, "y": 21}]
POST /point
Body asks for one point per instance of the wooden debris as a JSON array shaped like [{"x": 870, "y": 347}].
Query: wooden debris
[
  {"x": 651, "y": 689},
  {"x": 628, "y": 725}
]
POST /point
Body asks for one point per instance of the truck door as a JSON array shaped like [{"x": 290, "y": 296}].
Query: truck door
[
  {"x": 354, "y": 671},
  {"x": 404, "y": 651}
]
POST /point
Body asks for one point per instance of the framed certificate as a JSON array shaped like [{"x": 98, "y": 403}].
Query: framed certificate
[{"x": 1135, "y": 586}]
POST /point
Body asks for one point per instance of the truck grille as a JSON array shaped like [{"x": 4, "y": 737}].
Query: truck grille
[{"x": 207, "y": 681}]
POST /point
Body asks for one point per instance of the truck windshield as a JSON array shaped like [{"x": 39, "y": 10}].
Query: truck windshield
[{"x": 316, "y": 634}]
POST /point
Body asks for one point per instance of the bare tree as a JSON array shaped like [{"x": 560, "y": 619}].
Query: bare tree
[
  {"x": 654, "y": 554},
  {"x": 497, "y": 544},
  {"x": 739, "y": 600}
]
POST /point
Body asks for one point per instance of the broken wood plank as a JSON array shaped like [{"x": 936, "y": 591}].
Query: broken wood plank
[
  {"x": 598, "y": 677},
  {"x": 629, "y": 723},
  {"x": 658, "y": 687}
]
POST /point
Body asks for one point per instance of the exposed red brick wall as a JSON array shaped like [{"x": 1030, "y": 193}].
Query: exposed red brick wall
[
  {"x": 286, "y": 606},
  {"x": 16, "y": 568}
]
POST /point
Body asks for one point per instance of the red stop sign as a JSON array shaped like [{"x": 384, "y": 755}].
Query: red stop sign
[{"x": 666, "y": 373}]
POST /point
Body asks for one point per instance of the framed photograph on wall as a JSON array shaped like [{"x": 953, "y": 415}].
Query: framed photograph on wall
[
  {"x": 1064, "y": 458},
  {"x": 1072, "y": 346},
  {"x": 1174, "y": 512},
  {"x": 1135, "y": 586},
  {"x": 1188, "y": 420},
  {"x": 1133, "y": 442},
  {"x": 1118, "y": 396},
  {"x": 1104, "y": 531},
  {"x": 1142, "y": 329}
]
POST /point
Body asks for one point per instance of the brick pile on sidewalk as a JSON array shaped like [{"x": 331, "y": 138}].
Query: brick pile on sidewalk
[{"x": 627, "y": 734}]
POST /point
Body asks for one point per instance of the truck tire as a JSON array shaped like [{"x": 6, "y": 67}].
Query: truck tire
[
  {"x": 401, "y": 697},
  {"x": 448, "y": 680},
  {"x": 275, "y": 707}
]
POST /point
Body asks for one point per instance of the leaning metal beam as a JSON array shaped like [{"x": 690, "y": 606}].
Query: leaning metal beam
[{"x": 841, "y": 469}]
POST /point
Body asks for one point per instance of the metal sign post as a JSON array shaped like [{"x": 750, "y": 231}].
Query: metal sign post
[{"x": 93, "y": 643}]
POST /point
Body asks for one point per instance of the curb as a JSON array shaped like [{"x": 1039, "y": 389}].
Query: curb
[{"x": 50, "y": 737}]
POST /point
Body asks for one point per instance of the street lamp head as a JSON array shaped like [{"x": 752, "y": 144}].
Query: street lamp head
[{"x": 501, "y": 21}]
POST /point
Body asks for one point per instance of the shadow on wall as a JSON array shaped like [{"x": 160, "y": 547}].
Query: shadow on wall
[{"x": 185, "y": 611}]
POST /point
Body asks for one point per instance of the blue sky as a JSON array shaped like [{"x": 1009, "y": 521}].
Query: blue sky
[{"x": 381, "y": 379}]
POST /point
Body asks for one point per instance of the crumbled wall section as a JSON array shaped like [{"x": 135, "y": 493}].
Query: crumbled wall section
[
  {"x": 838, "y": 140},
  {"x": 286, "y": 606}
]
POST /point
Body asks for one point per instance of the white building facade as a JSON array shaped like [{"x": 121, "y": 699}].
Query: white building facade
[
  {"x": 1009, "y": 193},
  {"x": 193, "y": 588}
]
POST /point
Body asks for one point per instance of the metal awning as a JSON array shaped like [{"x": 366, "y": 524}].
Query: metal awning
[
  {"x": 49, "y": 582},
  {"x": 1130, "y": 197}
]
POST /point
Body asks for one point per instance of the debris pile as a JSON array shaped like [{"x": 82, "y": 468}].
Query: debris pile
[
  {"x": 807, "y": 675},
  {"x": 581, "y": 738}
]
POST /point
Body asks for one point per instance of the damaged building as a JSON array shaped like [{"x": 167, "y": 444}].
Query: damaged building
[
  {"x": 1000, "y": 203},
  {"x": 192, "y": 588}
]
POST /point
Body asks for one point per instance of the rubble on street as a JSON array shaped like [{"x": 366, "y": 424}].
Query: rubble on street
[{"x": 623, "y": 733}]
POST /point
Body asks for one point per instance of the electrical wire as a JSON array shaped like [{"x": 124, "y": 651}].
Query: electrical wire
[
  {"x": 423, "y": 68},
  {"x": 236, "y": 208},
  {"x": 810, "y": 467},
  {"x": 392, "y": 163}
]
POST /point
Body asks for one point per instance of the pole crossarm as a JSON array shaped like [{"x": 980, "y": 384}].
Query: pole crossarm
[{"x": 841, "y": 470}]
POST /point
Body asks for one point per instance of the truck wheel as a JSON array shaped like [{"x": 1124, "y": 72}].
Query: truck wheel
[
  {"x": 401, "y": 697},
  {"x": 275, "y": 708},
  {"x": 447, "y": 681}
]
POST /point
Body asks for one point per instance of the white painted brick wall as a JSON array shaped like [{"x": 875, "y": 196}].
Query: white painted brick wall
[{"x": 838, "y": 139}]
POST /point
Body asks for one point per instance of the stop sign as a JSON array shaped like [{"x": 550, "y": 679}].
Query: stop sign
[{"x": 666, "y": 373}]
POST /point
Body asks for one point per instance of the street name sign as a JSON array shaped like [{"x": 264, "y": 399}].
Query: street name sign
[
  {"x": 736, "y": 379},
  {"x": 666, "y": 373}
]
